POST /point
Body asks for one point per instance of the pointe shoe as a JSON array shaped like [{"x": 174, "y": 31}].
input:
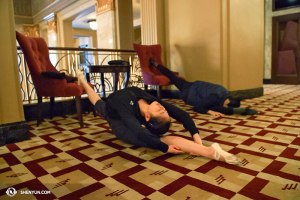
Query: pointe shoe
[
  {"x": 79, "y": 76},
  {"x": 152, "y": 62},
  {"x": 229, "y": 158}
]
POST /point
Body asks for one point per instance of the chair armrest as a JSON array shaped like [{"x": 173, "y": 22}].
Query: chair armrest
[{"x": 50, "y": 87}]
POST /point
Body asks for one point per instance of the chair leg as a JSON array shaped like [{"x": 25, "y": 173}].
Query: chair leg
[
  {"x": 159, "y": 91},
  {"x": 51, "y": 107},
  {"x": 94, "y": 112},
  {"x": 79, "y": 111},
  {"x": 39, "y": 111}
]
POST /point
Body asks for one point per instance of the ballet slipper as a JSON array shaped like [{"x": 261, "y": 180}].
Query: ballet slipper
[
  {"x": 229, "y": 158},
  {"x": 79, "y": 76}
]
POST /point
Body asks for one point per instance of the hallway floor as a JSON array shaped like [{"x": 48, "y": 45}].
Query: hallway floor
[{"x": 90, "y": 163}]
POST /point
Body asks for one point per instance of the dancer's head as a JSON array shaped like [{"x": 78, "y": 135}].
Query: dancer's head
[
  {"x": 157, "y": 126},
  {"x": 158, "y": 119},
  {"x": 232, "y": 102}
]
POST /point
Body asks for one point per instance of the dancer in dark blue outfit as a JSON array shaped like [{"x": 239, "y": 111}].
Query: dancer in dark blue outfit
[
  {"x": 137, "y": 118},
  {"x": 207, "y": 98}
]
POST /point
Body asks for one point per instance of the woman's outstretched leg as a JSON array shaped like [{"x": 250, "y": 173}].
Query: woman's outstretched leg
[
  {"x": 93, "y": 96},
  {"x": 213, "y": 152},
  {"x": 180, "y": 83}
]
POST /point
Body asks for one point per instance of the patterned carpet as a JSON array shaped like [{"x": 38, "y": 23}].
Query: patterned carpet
[{"x": 90, "y": 163}]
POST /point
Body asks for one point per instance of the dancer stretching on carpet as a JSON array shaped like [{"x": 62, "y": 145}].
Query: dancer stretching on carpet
[
  {"x": 207, "y": 98},
  {"x": 128, "y": 109}
]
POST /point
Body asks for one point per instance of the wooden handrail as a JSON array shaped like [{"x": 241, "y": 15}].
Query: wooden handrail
[{"x": 85, "y": 49}]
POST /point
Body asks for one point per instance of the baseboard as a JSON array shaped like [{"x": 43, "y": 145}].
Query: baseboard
[
  {"x": 13, "y": 132},
  {"x": 267, "y": 81},
  {"x": 249, "y": 93},
  {"x": 244, "y": 94}
]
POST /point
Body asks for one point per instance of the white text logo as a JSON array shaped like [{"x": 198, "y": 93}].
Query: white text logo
[{"x": 11, "y": 191}]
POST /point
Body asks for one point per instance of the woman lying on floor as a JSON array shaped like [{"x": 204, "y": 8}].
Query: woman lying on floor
[
  {"x": 207, "y": 98},
  {"x": 128, "y": 110}
]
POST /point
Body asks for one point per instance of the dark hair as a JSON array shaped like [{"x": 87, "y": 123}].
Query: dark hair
[
  {"x": 157, "y": 126},
  {"x": 234, "y": 102}
]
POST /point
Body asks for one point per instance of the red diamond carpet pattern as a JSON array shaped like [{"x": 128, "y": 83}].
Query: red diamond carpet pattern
[{"x": 91, "y": 163}]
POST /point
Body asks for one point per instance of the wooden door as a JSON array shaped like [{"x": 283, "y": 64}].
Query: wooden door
[{"x": 277, "y": 77}]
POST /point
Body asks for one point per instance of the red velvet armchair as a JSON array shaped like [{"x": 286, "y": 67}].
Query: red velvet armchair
[
  {"x": 36, "y": 54},
  {"x": 151, "y": 75}
]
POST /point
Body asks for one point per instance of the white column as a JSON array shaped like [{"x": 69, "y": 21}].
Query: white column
[{"x": 149, "y": 22}]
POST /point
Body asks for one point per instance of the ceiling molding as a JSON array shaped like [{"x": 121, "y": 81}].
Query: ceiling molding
[
  {"x": 53, "y": 7},
  {"x": 76, "y": 9},
  {"x": 22, "y": 19}
]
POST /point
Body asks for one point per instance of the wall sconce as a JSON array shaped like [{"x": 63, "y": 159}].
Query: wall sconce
[{"x": 93, "y": 24}]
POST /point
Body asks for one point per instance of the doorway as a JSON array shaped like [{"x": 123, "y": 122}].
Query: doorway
[{"x": 285, "y": 49}]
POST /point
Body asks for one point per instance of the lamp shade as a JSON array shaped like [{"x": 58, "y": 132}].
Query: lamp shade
[{"x": 93, "y": 24}]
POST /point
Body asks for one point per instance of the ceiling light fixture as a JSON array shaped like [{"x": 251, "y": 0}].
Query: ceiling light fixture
[{"x": 93, "y": 24}]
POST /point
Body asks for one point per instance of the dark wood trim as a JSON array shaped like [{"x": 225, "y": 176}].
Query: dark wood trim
[
  {"x": 288, "y": 7},
  {"x": 275, "y": 79}
]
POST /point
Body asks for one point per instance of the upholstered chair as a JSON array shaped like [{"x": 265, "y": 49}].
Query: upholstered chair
[
  {"x": 36, "y": 54},
  {"x": 151, "y": 75}
]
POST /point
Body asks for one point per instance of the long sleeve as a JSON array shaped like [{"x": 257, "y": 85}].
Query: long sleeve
[
  {"x": 140, "y": 133},
  {"x": 212, "y": 102},
  {"x": 200, "y": 109},
  {"x": 224, "y": 110},
  {"x": 182, "y": 117}
]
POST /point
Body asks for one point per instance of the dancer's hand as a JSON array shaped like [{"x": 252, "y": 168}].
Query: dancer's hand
[
  {"x": 213, "y": 113},
  {"x": 197, "y": 138},
  {"x": 174, "y": 149}
]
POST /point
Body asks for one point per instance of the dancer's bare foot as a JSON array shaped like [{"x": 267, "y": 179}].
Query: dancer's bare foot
[
  {"x": 80, "y": 76},
  {"x": 224, "y": 156}
]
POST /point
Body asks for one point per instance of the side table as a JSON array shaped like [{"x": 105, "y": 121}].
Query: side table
[{"x": 115, "y": 69}]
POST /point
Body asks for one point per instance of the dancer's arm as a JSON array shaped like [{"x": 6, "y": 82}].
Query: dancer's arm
[
  {"x": 144, "y": 139},
  {"x": 213, "y": 113},
  {"x": 197, "y": 138},
  {"x": 184, "y": 118},
  {"x": 143, "y": 134},
  {"x": 223, "y": 110},
  {"x": 200, "y": 109}
]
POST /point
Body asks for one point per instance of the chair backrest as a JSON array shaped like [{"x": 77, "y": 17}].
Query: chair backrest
[
  {"x": 36, "y": 54},
  {"x": 145, "y": 52}
]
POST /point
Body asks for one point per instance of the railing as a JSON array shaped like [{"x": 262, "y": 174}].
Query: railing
[{"x": 68, "y": 59}]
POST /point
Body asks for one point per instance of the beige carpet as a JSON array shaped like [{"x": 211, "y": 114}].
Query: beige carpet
[{"x": 90, "y": 163}]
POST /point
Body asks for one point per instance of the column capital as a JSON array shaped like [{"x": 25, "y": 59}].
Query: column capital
[
  {"x": 31, "y": 30},
  {"x": 104, "y": 5},
  {"x": 51, "y": 22}
]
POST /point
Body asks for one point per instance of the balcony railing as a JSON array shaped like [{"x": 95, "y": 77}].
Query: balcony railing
[{"x": 68, "y": 59}]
